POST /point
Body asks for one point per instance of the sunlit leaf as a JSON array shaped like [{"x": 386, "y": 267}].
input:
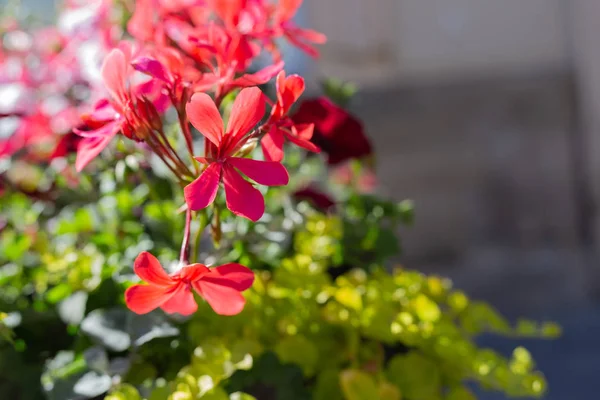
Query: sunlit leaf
[{"x": 357, "y": 385}]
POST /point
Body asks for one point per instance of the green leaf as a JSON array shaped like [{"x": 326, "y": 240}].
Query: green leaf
[
  {"x": 357, "y": 385},
  {"x": 426, "y": 309},
  {"x": 72, "y": 309},
  {"x": 406, "y": 210},
  {"x": 349, "y": 297},
  {"x": 108, "y": 327},
  {"x": 241, "y": 396},
  {"x": 416, "y": 376},
  {"x": 215, "y": 394},
  {"x": 300, "y": 351},
  {"x": 460, "y": 393},
  {"x": 338, "y": 91},
  {"x": 92, "y": 384},
  {"x": 96, "y": 359},
  {"x": 124, "y": 392},
  {"x": 144, "y": 328},
  {"x": 387, "y": 391},
  {"x": 328, "y": 386}
]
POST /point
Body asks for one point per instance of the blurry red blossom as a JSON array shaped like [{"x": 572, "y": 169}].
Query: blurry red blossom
[
  {"x": 318, "y": 199},
  {"x": 338, "y": 133},
  {"x": 221, "y": 287},
  {"x": 363, "y": 180}
]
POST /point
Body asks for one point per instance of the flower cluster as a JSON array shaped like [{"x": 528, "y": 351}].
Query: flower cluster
[
  {"x": 48, "y": 77},
  {"x": 177, "y": 61},
  {"x": 185, "y": 58}
]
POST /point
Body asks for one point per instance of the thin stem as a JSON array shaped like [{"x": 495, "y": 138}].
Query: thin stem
[
  {"x": 187, "y": 134},
  {"x": 184, "y": 255},
  {"x": 157, "y": 150},
  {"x": 172, "y": 154}
]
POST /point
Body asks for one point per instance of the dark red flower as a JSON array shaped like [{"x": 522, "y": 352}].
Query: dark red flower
[
  {"x": 318, "y": 199},
  {"x": 66, "y": 145},
  {"x": 337, "y": 132}
]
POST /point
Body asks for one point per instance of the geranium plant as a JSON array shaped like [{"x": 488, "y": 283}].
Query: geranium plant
[{"x": 179, "y": 224}]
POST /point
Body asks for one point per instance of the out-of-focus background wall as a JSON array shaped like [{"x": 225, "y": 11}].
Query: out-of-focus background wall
[{"x": 483, "y": 112}]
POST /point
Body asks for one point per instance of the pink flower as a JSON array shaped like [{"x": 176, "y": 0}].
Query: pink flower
[
  {"x": 108, "y": 114},
  {"x": 172, "y": 70},
  {"x": 289, "y": 90},
  {"x": 242, "y": 198},
  {"x": 121, "y": 112},
  {"x": 221, "y": 287},
  {"x": 33, "y": 130}
]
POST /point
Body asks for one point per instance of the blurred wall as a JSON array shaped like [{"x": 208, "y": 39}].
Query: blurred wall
[
  {"x": 474, "y": 113},
  {"x": 584, "y": 16},
  {"x": 410, "y": 40}
]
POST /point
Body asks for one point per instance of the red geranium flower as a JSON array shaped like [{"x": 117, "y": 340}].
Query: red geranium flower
[
  {"x": 108, "y": 115},
  {"x": 337, "y": 132},
  {"x": 221, "y": 287},
  {"x": 122, "y": 112},
  {"x": 289, "y": 90},
  {"x": 242, "y": 198}
]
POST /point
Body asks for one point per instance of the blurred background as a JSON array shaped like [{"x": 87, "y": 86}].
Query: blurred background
[{"x": 487, "y": 114}]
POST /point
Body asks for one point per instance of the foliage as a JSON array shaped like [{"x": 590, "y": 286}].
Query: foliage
[{"x": 303, "y": 333}]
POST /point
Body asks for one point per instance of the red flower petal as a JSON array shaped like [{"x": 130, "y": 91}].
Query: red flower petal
[
  {"x": 302, "y": 137},
  {"x": 148, "y": 268},
  {"x": 204, "y": 115},
  {"x": 224, "y": 300},
  {"x": 260, "y": 77},
  {"x": 152, "y": 67},
  {"x": 268, "y": 173},
  {"x": 141, "y": 299},
  {"x": 242, "y": 198},
  {"x": 192, "y": 273},
  {"x": 93, "y": 143},
  {"x": 182, "y": 302},
  {"x": 114, "y": 74},
  {"x": 232, "y": 275},
  {"x": 289, "y": 89},
  {"x": 140, "y": 25},
  {"x": 298, "y": 37},
  {"x": 247, "y": 111},
  {"x": 272, "y": 145},
  {"x": 202, "y": 192},
  {"x": 288, "y": 8}
]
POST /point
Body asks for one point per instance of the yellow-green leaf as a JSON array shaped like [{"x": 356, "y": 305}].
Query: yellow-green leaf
[
  {"x": 387, "y": 391},
  {"x": 358, "y": 385},
  {"x": 426, "y": 309},
  {"x": 417, "y": 376},
  {"x": 300, "y": 351},
  {"x": 349, "y": 297}
]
